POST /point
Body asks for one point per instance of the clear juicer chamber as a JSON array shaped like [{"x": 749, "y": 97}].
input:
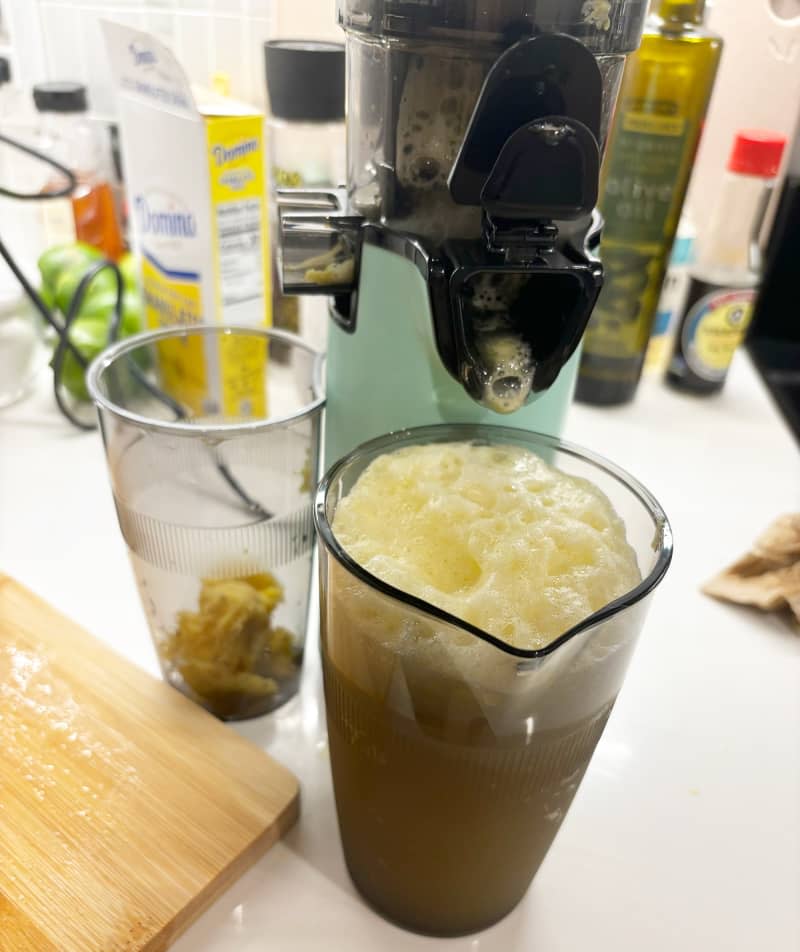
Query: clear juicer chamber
[
  {"x": 415, "y": 73},
  {"x": 475, "y": 135}
]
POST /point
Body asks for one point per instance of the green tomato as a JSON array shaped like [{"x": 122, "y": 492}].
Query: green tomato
[
  {"x": 128, "y": 265},
  {"x": 48, "y": 297},
  {"x": 59, "y": 258},
  {"x": 68, "y": 281},
  {"x": 90, "y": 335},
  {"x": 132, "y": 315},
  {"x": 100, "y": 307}
]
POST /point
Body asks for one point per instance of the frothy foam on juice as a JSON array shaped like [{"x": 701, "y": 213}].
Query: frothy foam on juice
[{"x": 490, "y": 534}]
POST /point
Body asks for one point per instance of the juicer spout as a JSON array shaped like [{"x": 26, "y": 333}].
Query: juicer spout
[
  {"x": 504, "y": 325},
  {"x": 319, "y": 250},
  {"x": 517, "y": 302},
  {"x": 503, "y": 372}
]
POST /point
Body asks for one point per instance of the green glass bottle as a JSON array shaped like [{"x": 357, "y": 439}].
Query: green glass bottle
[{"x": 665, "y": 94}]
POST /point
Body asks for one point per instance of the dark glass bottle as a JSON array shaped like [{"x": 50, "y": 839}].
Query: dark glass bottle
[{"x": 723, "y": 282}]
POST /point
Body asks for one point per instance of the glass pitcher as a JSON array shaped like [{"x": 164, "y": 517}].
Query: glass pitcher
[{"x": 455, "y": 756}]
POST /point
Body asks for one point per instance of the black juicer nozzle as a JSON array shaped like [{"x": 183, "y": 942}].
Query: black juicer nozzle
[{"x": 510, "y": 310}]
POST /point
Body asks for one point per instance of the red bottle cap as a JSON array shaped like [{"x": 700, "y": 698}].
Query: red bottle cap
[{"x": 757, "y": 152}]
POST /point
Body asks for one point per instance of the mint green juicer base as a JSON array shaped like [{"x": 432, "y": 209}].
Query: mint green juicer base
[{"x": 388, "y": 375}]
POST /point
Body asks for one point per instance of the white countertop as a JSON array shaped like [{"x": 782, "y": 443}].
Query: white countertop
[{"x": 685, "y": 835}]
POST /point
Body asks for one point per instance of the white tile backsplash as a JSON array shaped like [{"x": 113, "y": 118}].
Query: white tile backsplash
[
  {"x": 261, "y": 30},
  {"x": 101, "y": 90},
  {"x": 193, "y": 46},
  {"x": 63, "y": 43},
  {"x": 127, "y": 15},
  {"x": 229, "y": 40},
  {"x": 308, "y": 19},
  {"x": 162, "y": 25},
  {"x": 206, "y": 36},
  {"x": 264, "y": 8}
]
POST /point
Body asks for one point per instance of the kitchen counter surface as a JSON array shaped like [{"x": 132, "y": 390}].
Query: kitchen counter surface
[{"x": 685, "y": 835}]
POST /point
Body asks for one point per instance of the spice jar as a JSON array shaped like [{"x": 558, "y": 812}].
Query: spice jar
[
  {"x": 66, "y": 135},
  {"x": 306, "y": 135}
]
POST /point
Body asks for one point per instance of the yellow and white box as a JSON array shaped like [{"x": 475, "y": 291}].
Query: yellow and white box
[{"x": 196, "y": 186}]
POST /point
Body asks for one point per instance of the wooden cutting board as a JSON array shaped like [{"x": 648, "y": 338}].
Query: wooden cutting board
[{"x": 125, "y": 809}]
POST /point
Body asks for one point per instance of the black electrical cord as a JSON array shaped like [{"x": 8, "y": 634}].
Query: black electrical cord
[
  {"x": 36, "y": 299},
  {"x": 65, "y": 343},
  {"x": 62, "y": 330},
  {"x": 68, "y": 189}
]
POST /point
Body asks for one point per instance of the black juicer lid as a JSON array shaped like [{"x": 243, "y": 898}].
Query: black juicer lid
[
  {"x": 60, "y": 97},
  {"x": 305, "y": 80}
]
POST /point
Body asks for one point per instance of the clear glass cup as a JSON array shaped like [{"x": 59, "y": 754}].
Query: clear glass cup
[
  {"x": 212, "y": 451},
  {"x": 455, "y": 756}
]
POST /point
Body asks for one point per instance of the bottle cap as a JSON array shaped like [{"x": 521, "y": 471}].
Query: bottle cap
[
  {"x": 60, "y": 97},
  {"x": 682, "y": 11},
  {"x": 305, "y": 80},
  {"x": 221, "y": 83},
  {"x": 757, "y": 152}
]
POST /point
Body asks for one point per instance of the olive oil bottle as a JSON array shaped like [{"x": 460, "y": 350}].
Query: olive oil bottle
[{"x": 665, "y": 94}]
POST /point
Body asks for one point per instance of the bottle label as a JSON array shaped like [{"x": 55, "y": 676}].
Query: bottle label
[
  {"x": 617, "y": 328},
  {"x": 670, "y": 307},
  {"x": 714, "y": 327},
  {"x": 647, "y": 155},
  {"x": 642, "y": 185}
]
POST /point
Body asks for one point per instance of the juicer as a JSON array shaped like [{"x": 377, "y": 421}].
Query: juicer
[{"x": 461, "y": 255}]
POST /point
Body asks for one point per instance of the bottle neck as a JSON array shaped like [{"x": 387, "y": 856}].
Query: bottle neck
[{"x": 677, "y": 13}]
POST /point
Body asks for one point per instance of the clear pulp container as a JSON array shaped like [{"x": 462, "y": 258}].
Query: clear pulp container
[
  {"x": 212, "y": 451},
  {"x": 455, "y": 756}
]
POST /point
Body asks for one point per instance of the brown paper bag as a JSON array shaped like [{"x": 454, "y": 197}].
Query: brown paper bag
[{"x": 768, "y": 577}]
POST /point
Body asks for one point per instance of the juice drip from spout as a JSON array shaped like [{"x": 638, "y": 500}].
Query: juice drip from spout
[{"x": 504, "y": 365}]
